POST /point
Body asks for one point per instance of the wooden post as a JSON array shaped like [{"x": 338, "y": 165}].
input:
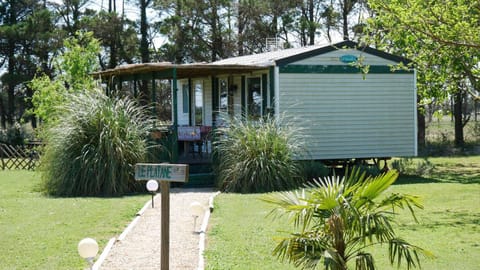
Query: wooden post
[
  {"x": 165, "y": 173},
  {"x": 165, "y": 225},
  {"x": 175, "y": 116}
]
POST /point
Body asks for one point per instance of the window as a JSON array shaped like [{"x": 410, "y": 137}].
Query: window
[
  {"x": 223, "y": 91},
  {"x": 198, "y": 112},
  {"x": 185, "y": 97}
]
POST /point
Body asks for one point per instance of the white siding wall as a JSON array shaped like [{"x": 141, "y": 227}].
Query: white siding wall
[
  {"x": 333, "y": 58},
  {"x": 346, "y": 116}
]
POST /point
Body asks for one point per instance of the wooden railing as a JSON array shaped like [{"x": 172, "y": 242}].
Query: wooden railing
[{"x": 19, "y": 157}]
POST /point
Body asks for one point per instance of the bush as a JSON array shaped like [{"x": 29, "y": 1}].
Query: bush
[
  {"x": 14, "y": 135},
  {"x": 314, "y": 170},
  {"x": 257, "y": 156},
  {"x": 369, "y": 170},
  {"x": 93, "y": 147},
  {"x": 476, "y": 130},
  {"x": 409, "y": 166}
]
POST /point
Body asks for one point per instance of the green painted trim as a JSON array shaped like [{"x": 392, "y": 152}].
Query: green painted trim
[
  {"x": 119, "y": 86},
  {"x": 341, "y": 45},
  {"x": 215, "y": 99},
  {"x": 339, "y": 69},
  {"x": 135, "y": 90},
  {"x": 153, "y": 97},
  {"x": 215, "y": 95},
  {"x": 175, "y": 116},
  {"x": 190, "y": 100},
  {"x": 264, "y": 94},
  {"x": 271, "y": 73},
  {"x": 185, "y": 98},
  {"x": 244, "y": 102}
]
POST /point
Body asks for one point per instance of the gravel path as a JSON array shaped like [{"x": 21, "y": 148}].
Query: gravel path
[{"x": 140, "y": 249}]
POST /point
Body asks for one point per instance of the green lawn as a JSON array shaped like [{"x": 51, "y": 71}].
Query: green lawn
[
  {"x": 242, "y": 237},
  {"x": 38, "y": 232}
]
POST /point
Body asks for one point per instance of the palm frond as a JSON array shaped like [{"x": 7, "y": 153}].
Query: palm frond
[
  {"x": 364, "y": 261},
  {"x": 326, "y": 192},
  {"x": 372, "y": 188},
  {"x": 342, "y": 217},
  {"x": 333, "y": 260},
  {"x": 294, "y": 205},
  {"x": 304, "y": 250},
  {"x": 401, "y": 201},
  {"x": 399, "y": 249}
]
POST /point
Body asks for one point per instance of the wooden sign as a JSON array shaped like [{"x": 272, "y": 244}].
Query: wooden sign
[
  {"x": 188, "y": 133},
  {"x": 162, "y": 172},
  {"x": 348, "y": 58}
]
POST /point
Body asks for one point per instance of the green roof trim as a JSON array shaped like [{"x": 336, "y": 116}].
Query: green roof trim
[
  {"x": 342, "y": 45},
  {"x": 339, "y": 69}
]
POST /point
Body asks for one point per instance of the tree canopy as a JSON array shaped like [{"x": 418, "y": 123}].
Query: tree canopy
[
  {"x": 441, "y": 37},
  {"x": 74, "y": 66},
  {"x": 180, "y": 31}
]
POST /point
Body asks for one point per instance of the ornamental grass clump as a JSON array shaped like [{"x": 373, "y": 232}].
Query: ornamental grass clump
[
  {"x": 257, "y": 156},
  {"x": 92, "y": 149},
  {"x": 336, "y": 220}
]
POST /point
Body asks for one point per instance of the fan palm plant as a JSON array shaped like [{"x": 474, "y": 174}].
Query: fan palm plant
[{"x": 336, "y": 220}]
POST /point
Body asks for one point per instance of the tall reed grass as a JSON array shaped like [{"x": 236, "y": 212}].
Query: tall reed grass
[
  {"x": 92, "y": 149},
  {"x": 258, "y": 156}
]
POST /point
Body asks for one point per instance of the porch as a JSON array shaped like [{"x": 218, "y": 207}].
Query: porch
[
  {"x": 191, "y": 144},
  {"x": 187, "y": 100}
]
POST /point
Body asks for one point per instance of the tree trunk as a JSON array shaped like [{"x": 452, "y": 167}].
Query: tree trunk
[
  {"x": 345, "y": 23},
  {"x": 10, "y": 111},
  {"x": 3, "y": 120},
  {"x": 240, "y": 28},
  {"x": 11, "y": 93},
  {"x": 458, "y": 117},
  {"x": 303, "y": 32},
  {"x": 421, "y": 128},
  {"x": 311, "y": 23},
  {"x": 144, "y": 52},
  {"x": 179, "y": 34},
  {"x": 112, "y": 10},
  {"x": 216, "y": 38}
]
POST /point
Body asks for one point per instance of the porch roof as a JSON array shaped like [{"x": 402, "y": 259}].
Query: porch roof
[
  {"x": 182, "y": 70},
  {"x": 234, "y": 65},
  {"x": 239, "y": 64}
]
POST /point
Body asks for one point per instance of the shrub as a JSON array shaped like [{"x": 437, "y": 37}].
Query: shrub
[
  {"x": 476, "y": 130},
  {"x": 314, "y": 169},
  {"x": 409, "y": 166},
  {"x": 369, "y": 170},
  {"x": 14, "y": 134},
  {"x": 257, "y": 156},
  {"x": 93, "y": 147}
]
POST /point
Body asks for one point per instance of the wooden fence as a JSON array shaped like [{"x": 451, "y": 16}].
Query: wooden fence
[{"x": 19, "y": 157}]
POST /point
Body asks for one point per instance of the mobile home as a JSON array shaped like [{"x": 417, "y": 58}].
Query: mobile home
[{"x": 349, "y": 99}]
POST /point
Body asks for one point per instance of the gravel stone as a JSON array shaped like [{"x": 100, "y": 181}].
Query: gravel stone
[{"x": 140, "y": 250}]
